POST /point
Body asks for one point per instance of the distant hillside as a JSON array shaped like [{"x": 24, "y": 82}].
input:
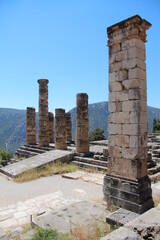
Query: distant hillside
[
  {"x": 12, "y": 128},
  {"x": 13, "y": 123},
  {"x": 98, "y": 117}
]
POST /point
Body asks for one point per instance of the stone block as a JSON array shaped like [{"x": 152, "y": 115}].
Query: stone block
[
  {"x": 122, "y": 117},
  {"x": 133, "y": 43},
  {"x": 114, "y": 128},
  {"x": 121, "y": 75},
  {"x": 112, "y": 58},
  {"x": 112, "y": 77},
  {"x": 134, "y": 105},
  {"x": 115, "y": 48},
  {"x": 112, "y": 97},
  {"x": 122, "y": 140},
  {"x": 115, "y": 67},
  {"x": 118, "y": 105},
  {"x": 137, "y": 73},
  {"x": 133, "y": 83},
  {"x": 135, "y": 52},
  {"x": 122, "y": 55},
  {"x": 121, "y": 96},
  {"x": 130, "y": 153},
  {"x": 130, "y": 129},
  {"x": 112, "y": 107},
  {"x": 132, "y": 63},
  {"x": 111, "y": 140},
  {"x": 137, "y": 94},
  {"x": 115, "y": 87},
  {"x": 115, "y": 151},
  {"x": 112, "y": 118}
]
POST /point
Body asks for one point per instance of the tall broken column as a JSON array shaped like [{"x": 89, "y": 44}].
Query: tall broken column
[
  {"x": 126, "y": 184},
  {"x": 82, "y": 124},
  {"x": 30, "y": 126},
  {"x": 43, "y": 133},
  {"x": 60, "y": 129},
  {"x": 69, "y": 127},
  {"x": 51, "y": 127}
]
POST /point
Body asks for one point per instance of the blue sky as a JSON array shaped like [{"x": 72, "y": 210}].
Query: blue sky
[{"x": 65, "y": 42}]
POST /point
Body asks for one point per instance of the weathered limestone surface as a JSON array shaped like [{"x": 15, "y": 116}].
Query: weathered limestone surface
[
  {"x": 60, "y": 129},
  {"x": 82, "y": 123},
  {"x": 126, "y": 183},
  {"x": 51, "y": 127},
  {"x": 31, "y": 126},
  {"x": 69, "y": 127},
  {"x": 43, "y": 133}
]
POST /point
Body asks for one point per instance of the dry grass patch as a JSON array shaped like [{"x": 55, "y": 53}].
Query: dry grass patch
[
  {"x": 89, "y": 233},
  {"x": 156, "y": 200},
  {"x": 45, "y": 171}
]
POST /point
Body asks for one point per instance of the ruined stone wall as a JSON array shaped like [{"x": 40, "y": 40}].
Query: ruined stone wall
[
  {"x": 82, "y": 123},
  {"x": 31, "y": 126}
]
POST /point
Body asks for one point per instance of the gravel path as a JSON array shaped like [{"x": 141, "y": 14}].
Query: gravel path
[{"x": 12, "y": 192}]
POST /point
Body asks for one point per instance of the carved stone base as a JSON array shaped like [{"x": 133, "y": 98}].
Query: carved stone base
[{"x": 135, "y": 196}]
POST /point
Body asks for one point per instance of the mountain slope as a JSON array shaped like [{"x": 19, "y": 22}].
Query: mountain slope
[{"x": 13, "y": 123}]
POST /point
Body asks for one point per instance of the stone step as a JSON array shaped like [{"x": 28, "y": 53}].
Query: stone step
[
  {"x": 154, "y": 170},
  {"x": 25, "y": 153},
  {"x": 49, "y": 148},
  {"x": 39, "y": 160},
  {"x": 32, "y": 149},
  {"x": 87, "y": 165},
  {"x": 91, "y": 161}
]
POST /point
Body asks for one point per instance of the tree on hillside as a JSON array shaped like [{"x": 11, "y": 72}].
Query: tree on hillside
[
  {"x": 97, "y": 134},
  {"x": 156, "y": 125}
]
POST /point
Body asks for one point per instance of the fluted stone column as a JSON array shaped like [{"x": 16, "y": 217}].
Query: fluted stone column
[
  {"x": 43, "y": 133},
  {"x": 60, "y": 129},
  {"x": 82, "y": 124},
  {"x": 31, "y": 126},
  {"x": 126, "y": 184},
  {"x": 69, "y": 127},
  {"x": 51, "y": 127}
]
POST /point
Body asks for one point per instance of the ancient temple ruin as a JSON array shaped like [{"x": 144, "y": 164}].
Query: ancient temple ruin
[
  {"x": 51, "y": 127},
  {"x": 30, "y": 126},
  {"x": 69, "y": 127},
  {"x": 43, "y": 133},
  {"x": 126, "y": 183},
  {"x": 60, "y": 129},
  {"x": 82, "y": 124}
]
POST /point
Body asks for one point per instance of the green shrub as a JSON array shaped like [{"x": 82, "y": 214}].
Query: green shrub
[
  {"x": 156, "y": 125},
  {"x": 49, "y": 234},
  {"x": 4, "y": 155},
  {"x": 97, "y": 134}
]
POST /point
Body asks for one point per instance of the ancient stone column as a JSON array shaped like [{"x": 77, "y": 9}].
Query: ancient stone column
[
  {"x": 31, "y": 126},
  {"x": 43, "y": 133},
  {"x": 82, "y": 124},
  {"x": 126, "y": 184},
  {"x": 69, "y": 127},
  {"x": 60, "y": 129},
  {"x": 51, "y": 127}
]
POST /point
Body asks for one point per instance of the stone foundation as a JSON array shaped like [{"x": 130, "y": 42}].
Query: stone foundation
[{"x": 135, "y": 196}]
